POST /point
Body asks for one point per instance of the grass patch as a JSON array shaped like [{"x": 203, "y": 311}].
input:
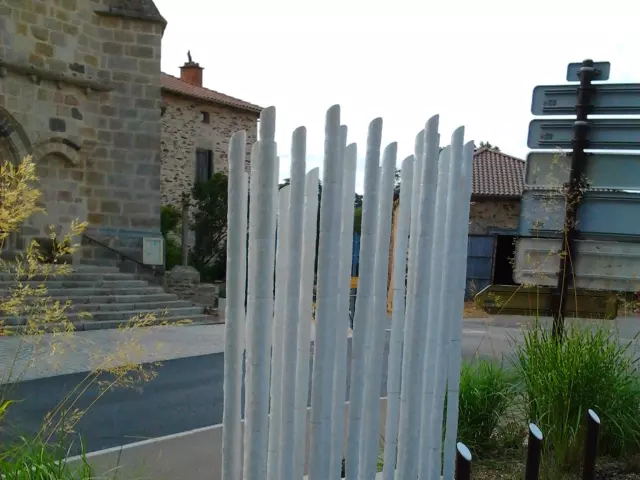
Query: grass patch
[
  {"x": 35, "y": 460},
  {"x": 486, "y": 392},
  {"x": 561, "y": 381}
]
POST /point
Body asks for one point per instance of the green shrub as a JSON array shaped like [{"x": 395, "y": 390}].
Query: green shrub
[
  {"x": 172, "y": 253},
  {"x": 35, "y": 460},
  {"x": 170, "y": 223},
  {"x": 486, "y": 392},
  {"x": 561, "y": 381},
  {"x": 170, "y": 219}
]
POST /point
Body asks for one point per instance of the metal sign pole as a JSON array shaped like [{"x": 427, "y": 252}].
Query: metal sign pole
[{"x": 573, "y": 194}]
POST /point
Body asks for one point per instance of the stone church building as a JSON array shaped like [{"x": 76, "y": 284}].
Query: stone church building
[{"x": 81, "y": 90}]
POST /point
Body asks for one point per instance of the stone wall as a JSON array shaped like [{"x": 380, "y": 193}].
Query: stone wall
[
  {"x": 185, "y": 283},
  {"x": 493, "y": 213},
  {"x": 183, "y": 132},
  {"x": 80, "y": 90}
]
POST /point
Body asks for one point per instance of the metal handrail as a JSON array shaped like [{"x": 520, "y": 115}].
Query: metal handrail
[{"x": 123, "y": 256}]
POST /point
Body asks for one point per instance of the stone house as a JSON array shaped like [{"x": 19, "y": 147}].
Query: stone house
[
  {"x": 498, "y": 182},
  {"x": 80, "y": 90},
  {"x": 196, "y": 126}
]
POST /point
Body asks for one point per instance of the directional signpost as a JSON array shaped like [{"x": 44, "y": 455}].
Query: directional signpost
[
  {"x": 550, "y": 170},
  {"x": 613, "y": 99},
  {"x": 580, "y": 198},
  {"x": 604, "y": 134}
]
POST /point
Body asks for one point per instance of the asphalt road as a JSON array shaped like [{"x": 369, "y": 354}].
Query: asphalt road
[{"x": 186, "y": 394}]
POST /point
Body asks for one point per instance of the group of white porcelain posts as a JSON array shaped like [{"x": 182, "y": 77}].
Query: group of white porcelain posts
[{"x": 273, "y": 327}]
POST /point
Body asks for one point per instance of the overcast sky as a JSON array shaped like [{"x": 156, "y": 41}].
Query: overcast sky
[{"x": 473, "y": 62}]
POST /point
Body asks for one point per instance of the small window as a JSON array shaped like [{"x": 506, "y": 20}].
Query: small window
[
  {"x": 204, "y": 165},
  {"x": 204, "y": 117}
]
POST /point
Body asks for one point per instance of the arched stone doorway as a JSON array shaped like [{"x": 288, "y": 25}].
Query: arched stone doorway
[{"x": 60, "y": 179}]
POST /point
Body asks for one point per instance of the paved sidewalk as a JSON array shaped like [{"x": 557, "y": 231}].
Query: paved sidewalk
[{"x": 24, "y": 358}]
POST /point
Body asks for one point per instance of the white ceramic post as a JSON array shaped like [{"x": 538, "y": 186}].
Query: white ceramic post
[
  {"x": 251, "y": 272},
  {"x": 419, "y": 276},
  {"x": 326, "y": 300},
  {"x": 455, "y": 348},
  {"x": 364, "y": 294},
  {"x": 261, "y": 253},
  {"x": 374, "y": 356},
  {"x": 304, "y": 328},
  {"x": 235, "y": 311},
  {"x": 432, "y": 306},
  {"x": 407, "y": 351},
  {"x": 292, "y": 307},
  {"x": 432, "y": 226},
  {"x": 282, "y": 269},
  {"x": 447, "y": 289},
  {"x": 342, "y": 329},
  {"x": 397, "y": 318}
]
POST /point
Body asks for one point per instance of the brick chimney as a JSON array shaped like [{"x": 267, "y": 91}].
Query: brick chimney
[{"x": 191, "y": 72}]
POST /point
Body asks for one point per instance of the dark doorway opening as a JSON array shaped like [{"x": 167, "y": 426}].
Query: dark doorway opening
[{"x": 503, "y": 260}]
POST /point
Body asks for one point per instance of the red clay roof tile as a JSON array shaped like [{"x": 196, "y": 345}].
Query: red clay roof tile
[
  {"x": 496, "y": 174},
  {"x": 175, "y": 85}
]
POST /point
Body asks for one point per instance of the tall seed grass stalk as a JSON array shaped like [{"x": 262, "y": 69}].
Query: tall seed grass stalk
[
  {"x": 561, "y": 381},
  {"x": 47, "y": 329}
]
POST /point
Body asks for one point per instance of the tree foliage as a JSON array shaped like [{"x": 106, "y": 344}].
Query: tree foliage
[
  {"x": 170, "y": 219},
  {"x": 210, "y": 202},
  {"x": 170, "y": 225},
  {"x": 489, "y": 146}
]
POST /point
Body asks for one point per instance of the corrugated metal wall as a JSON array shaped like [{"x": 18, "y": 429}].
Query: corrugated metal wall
[{"x": 480, "y": 253}]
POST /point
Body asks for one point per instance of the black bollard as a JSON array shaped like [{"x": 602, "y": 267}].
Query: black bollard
[
  {"x": 534, "y": 450},
  {"x": 591, "y": 446},
  {"x": 463, "y": 462}
]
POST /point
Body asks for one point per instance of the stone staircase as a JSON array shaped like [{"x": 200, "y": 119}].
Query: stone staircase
[{"x": 110, "y": 297}]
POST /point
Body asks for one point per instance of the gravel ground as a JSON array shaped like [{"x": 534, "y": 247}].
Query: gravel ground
[{"x": 514, "y": 470}]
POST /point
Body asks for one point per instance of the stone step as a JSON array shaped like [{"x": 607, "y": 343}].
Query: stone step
[
  {"x": 201, "y": 319},
  {"x": 85, "y": 269},
  {"x": 161, "y": 314},
  {"x": 73, "y": 277},
  {"x": 115, "y": 299},
  {"x": 102, "y": 291},
  {"x": 94, "y": 269},
  {"x": 79, "y": 284},
  {"x": 119, "y": 307}
]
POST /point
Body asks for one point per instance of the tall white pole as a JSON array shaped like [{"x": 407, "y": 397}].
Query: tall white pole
[
  {"x": 282, "y": 269},
  {"x": 447, "y": 291},
  {"x": 455, "y": 349},
  {"x": 292, "y": 311},
  {"x": 251, "y": 272},
  {"x": 432, "y": 308},
  {"x": 364, "y": 295},
  {"x": 405, "y": 418},
  {"x": 419, "y": 281},
  {"x": 340, "y": 363},
  {"x": 235, "y": 313},
  {"x": 261, "y": 248},
  {"x": 374, "y": 356},
  {"x": 397, "y": 319},
  {"x": 327, "y": 301},
  {"x": 304, "y": 330}
]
